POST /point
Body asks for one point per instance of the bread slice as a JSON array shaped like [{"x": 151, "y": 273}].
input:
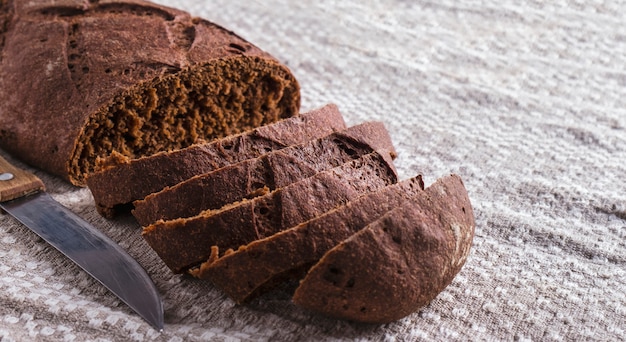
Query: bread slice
[
  {"x": 187, "y": 242},
  {"x": 82, "y": 79},
  {"x": 398, "y": 263},
  {"x": 256, "y": 267},
  {"x": 123, "y": 180},
  {"x": 254, "y": 177}
]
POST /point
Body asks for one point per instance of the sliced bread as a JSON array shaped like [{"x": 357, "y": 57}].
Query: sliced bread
[
  {"x": 256, "y": 267},
  {"x": 187, "y": 242},
  {"x": 254, "y": 177}
]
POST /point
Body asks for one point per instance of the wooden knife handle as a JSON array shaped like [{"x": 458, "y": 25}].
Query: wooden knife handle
[{"x": 15, "y": 183}]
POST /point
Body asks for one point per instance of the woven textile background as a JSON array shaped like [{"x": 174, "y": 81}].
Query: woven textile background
[{"x": 526, "y": 101}]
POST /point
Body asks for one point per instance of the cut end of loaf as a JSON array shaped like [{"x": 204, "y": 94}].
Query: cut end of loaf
[{"x": 203, "y": 102}]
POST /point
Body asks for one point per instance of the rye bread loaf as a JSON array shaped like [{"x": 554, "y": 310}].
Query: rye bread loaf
[
  {"x": 258, "y": 266},
  {"x": 122, "y": 180},
  {"x": 397, "y": 264},
  {"x": 253, "y": 177},
  {"x": 187, "y": 242},
  {"x": 82, "y": 79}
]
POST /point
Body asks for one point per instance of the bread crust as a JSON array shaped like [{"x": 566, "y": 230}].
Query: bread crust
[{"x": 397, "y": 264}]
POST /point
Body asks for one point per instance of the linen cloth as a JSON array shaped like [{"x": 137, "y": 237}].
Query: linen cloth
[{"x": 526, "y": 101}]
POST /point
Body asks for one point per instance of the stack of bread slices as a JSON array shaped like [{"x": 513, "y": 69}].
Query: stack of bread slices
[{"x": 306, "y": 198}]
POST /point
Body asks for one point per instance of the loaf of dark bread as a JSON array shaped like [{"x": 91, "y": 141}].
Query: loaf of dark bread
[
  {"x": 101, "y": 84},
  {"x": 187, "y": 242},
  {"x": 253, "y": 177},
  {"x": 398, "y": 263},
  {"x": 258, "y": 266},
  {"x": 82, "y": 79},
  {"x": 122, "y": 180}
]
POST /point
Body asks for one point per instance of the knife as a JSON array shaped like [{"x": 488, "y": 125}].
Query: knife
[{"x": 22, "y": 194}]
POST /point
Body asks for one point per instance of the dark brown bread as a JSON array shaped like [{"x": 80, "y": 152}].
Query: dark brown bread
[
  {"x": 123, "y": 180},
  {"x": 82, "y": 79},
  {"x": 257, "y": 267},
  {"x": 397, "y": 264},
  {"x": 5, "y": 16},
  {"x": 269, "y": 172},
  {"x": 185, "y": 243}
]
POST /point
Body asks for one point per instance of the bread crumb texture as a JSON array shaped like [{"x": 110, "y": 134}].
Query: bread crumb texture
[{"x": 119, "y": 180}]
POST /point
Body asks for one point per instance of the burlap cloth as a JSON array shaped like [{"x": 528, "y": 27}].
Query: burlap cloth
[{"x": 527, "y": 102}]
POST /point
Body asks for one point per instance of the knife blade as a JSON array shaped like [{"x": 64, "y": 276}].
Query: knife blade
[{"x": 23, "y": 196}]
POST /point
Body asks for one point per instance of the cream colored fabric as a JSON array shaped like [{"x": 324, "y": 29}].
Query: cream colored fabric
[{"x": 526, "y": 101}]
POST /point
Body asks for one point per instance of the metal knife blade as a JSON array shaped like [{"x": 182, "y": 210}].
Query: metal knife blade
[{"x": 22, "y": 195}]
